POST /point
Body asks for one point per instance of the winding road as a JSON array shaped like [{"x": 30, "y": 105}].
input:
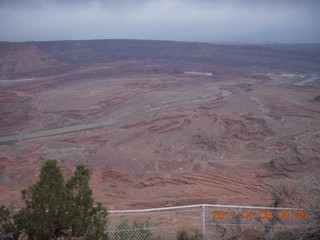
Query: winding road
[{"x": 55, "y": 131}]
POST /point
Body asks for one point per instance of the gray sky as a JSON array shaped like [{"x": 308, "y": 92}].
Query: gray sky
[{"x": 293, "y": 21}]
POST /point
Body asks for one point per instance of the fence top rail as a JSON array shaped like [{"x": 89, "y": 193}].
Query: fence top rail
[{"x": 200, "y": 205}]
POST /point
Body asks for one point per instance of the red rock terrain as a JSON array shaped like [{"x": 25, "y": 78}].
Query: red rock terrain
[{"x": 160, "y": 123}]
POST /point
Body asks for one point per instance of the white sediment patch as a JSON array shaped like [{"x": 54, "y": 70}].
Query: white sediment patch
[
  {"x": 310, "y": 78},
  {"x": 199, "y": 73}
]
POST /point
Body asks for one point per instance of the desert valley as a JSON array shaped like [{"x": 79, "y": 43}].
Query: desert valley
[{"x": 160, "y": 123}]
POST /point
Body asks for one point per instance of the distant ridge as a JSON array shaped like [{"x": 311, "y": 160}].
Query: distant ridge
[
  {"x": 311, "y": 47},
  {"x": 32, "y": 59}
]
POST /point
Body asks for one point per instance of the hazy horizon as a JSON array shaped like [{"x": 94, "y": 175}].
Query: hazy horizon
[
  {"x": 239, "y": 42},
  {"x": 281, "y": 21}
]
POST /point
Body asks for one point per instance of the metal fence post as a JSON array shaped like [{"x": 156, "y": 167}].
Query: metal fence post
[{"x": 204, "y": 221}]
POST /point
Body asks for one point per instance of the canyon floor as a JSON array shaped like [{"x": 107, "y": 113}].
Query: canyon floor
[{"x": 158, "y": 136}]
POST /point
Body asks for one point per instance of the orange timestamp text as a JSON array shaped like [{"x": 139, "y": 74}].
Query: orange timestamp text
[{"x": 246, "y": 214}]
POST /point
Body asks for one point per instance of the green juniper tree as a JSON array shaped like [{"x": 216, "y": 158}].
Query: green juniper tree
[
  {"x": 46, "y": 212},
  {"x": 54, "y": 209},
  {"x": 87, "y": 220}
]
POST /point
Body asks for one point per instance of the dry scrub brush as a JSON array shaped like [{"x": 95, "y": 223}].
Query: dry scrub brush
[
  {"x": 304, "y": 193},
  {"x": 189, "y": 232}
]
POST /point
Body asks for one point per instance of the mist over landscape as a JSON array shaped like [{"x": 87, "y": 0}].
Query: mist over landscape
[
  {"x": 169, "y": 103},
  {"x": 286, "y": 21}
]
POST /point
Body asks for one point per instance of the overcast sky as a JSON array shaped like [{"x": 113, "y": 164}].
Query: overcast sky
[{"x": 293, "y": 21}]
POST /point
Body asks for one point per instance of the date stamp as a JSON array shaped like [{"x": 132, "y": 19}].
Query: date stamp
[{"x": 247, "y": 214}]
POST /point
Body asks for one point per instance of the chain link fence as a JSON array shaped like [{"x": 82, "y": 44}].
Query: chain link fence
[{"x": 206, "y": 222}]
